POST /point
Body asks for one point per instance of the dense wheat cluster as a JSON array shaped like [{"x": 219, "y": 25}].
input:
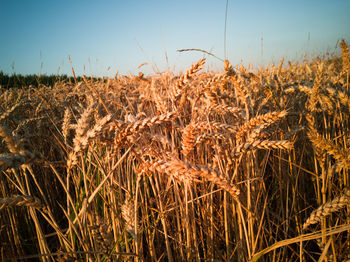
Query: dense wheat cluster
[{"x": 202, "y": 166}]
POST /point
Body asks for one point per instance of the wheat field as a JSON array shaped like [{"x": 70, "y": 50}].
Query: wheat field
[{"x": 200, "y": 166}]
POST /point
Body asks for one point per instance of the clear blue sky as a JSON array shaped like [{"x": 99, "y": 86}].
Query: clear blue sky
[{"x": 105, "y": 36}]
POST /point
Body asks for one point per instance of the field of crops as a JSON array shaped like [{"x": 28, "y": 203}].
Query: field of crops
[{"x": 202, "y": 166}]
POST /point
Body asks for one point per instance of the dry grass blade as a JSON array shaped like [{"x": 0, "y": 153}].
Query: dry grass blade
[
  {"x": 200, "y": 50},
  {"x": 304, "y": 237}
]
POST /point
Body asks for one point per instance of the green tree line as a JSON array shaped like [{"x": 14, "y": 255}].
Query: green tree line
[{"x": 20, "y": 81}]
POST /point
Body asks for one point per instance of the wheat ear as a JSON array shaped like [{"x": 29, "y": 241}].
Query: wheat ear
[
  {"x": 184, "y": 79},
  {"x": 11, "y": 160},
  {"x": 187, "y": 172},
  {"x": 320, "y": 143},
  {"x": 328, "y": 208},
  {"x": 151, "y": 121},
  {"x": 229, "y": 71},
  {"x": 266, "y": 119},
  {"x": 66, "y": 124},
  {"x": 261, "y": 144},
  {"x": 189, "y": 139},
  {"x": 10, "y": 110},
  {"x": 128, "y": 214},
  {"x": 81, "y": 142},
  {"x": 10, "y": 141},
  {"x": 20, "y": 200},
  {"x": 345, "y": 55}
]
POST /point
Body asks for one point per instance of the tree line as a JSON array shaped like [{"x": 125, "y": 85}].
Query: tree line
[{"x": 20, "y": 81}]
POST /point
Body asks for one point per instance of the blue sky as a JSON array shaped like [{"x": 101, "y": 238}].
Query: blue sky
[{"x": 105, "y": 36}]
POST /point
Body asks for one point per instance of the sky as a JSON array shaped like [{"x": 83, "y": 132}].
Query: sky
[{"x": 104, "y": 37}]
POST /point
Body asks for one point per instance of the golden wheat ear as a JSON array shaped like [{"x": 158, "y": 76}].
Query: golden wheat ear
[
  {"x": 185, "y": 78},
  {"x": 229, "y": 71},
  {"x": 328, "y": 208},
  {"x": 345, "y": 55},
  {"x": 20, "y": 200}
]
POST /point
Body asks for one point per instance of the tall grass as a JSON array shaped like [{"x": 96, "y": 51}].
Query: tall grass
[{"x": 233, "y": 166}]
